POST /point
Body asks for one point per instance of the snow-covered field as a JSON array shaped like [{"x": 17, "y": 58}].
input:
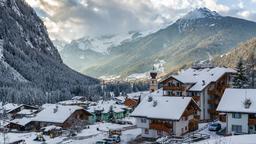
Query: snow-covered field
[
  {"x": 239, "y": 139},
  {"x": 95, "y": 132}
]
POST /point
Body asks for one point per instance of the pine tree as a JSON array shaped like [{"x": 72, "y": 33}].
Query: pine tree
[{"x": 240, "y": 78}]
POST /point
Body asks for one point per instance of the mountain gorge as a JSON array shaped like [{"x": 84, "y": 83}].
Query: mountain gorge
[
  {"x": 31, "y": 69},
  {"x": 196, "y": 36}
]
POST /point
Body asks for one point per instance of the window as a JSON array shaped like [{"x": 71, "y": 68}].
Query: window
[
  {"x": 146, "y": 131},
  {"x": 186, "y": 128},
  {"x": 236, "y": 115},
  {"x": 237, "y": 128},
  {"x": 143, "y": 120},
  {"x": 160, "y": 133}
]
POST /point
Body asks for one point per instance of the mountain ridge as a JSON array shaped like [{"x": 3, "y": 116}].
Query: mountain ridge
[{"x": 184, "y": 41}]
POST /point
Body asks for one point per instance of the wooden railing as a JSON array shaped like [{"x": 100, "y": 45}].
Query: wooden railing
[
  {"x": 162, "y": 126},
  {"x": 174, "y": 88},
  {"x": 196, "y": 98},
  {"x": 252, "y": 121}
]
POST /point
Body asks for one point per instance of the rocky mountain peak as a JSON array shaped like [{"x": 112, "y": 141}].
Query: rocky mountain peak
[{"x": 200, "y": 13}]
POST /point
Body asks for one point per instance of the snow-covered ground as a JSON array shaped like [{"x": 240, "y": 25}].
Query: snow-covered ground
[
  {"x": 94, "y": 133},
  {"x": 239, "y": 139}
]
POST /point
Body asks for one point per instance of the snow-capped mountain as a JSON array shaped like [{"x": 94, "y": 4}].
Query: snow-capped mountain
[
  {"x": 31, "y": 69},
  {"x": 200, "y": 13},
  {"x": 193, "y": 37}
]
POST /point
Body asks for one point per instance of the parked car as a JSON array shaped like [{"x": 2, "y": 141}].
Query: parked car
[
  {"x": 110, "y": 141},
  {"x": 214, "y": 127},
  {"x": 116, "y": 138}
]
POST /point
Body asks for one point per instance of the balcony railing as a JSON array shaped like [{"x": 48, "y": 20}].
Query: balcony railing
[
  {"x": 212, "y": 112},
  {"x": 161, "y": 126},
  {"x": 252, "y": 121},
  {"x": 174, "y": 88},
  {"x": 196, "y": 98}
]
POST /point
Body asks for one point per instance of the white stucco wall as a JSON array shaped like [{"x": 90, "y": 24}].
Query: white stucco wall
[
  {"x": 243, "y": 121},
  {"x": 177, "y": 126},
  {"x": 142, "y": 125}
]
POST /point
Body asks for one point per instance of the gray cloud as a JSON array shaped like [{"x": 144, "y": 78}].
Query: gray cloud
[{"x": 72, "y": 19}]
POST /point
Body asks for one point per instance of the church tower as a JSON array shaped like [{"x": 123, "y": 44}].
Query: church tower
[{"x": 153, "y": 85}]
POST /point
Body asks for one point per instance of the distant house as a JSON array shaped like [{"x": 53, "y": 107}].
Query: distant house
[
  {"x": 166, "y": 116},
  {"x": 107, "y": 110},
  {"x": 239, "y": 105},
  {"x": 20, "y": 124},
  {"x": 133, "y": 99},
  {"x": 205, "y": 85},
  {"x": 22, "y": 111},
  {"x": 62, "y": 116}
]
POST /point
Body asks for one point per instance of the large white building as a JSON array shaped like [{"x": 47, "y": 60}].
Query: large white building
[
  {"x": 160, "y": 116},
  {"x": 239, "y": 105},
  {"x": 204, "y": 85}
]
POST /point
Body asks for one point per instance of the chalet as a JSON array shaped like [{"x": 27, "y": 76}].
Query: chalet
[
  {"x": 20, "y": 124},
  {"x": 62, "y": 116},
  {"x": 22, "y": 111},
  {"x": 239, "y": 105},
  {"x": 107, "y": 110},
  {"x": 166, "y": 116},
  {"x": 204, "y": 85}
]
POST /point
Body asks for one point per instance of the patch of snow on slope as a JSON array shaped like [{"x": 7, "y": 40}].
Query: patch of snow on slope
[
  {"x": 200, "y": 13},
  {"x": 16, "y": 9},
  {"x": 16, "y": 75},
  {"x": 1, "y": 49}
]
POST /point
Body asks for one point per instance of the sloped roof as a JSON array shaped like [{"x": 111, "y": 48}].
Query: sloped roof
[
  {"x": 233, "y": 101},
  {"x": 170, "y": 108},
  {"x": 201, "y": 77},
  {"x": 56, "y": 113}
]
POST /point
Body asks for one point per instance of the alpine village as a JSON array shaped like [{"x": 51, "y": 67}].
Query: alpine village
[{"x": 178, "y": 87}]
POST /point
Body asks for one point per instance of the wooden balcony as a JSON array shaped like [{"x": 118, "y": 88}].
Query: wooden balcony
[
  {"x": 188, "y": 112},
  {"x": 212, "y": 112},
  {"x": 196, "y": 98},
  {"x": 162, "y": 126},
  {"x": 252, "y": 121},
  {"x": 174, "y": 88},
  {"x": 213, "y": 101}
]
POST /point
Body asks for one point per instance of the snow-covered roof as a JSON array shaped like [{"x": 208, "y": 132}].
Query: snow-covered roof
[
  {"x": 55, "y": 113},
  {"x": 170, "y": 108},
  {"x": 233, "y": 100},
  {"x": 104, "y": 106},
  {"x": 73, "y": 102},
  {"x": 50, "y": 127},
  {"x": 201, "y": 77},
  {"x": 10, "y": 106},
  {"x": 22, "y": 121},
  {"x": 27, "y": 111}
]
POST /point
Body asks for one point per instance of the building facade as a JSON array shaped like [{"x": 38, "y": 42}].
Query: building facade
[
  {"x": 205, "y": 86},
  {"x": 239, "y": 108},
  {"x": 166, "y": 116}
]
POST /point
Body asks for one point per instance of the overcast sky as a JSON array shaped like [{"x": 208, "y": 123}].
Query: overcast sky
[{"x": 72, "y": 19}]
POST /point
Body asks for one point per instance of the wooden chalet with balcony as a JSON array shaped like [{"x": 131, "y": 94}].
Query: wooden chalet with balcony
[
  {"x": 166, "y": 116},
  {"x": 204, "y": 85}
]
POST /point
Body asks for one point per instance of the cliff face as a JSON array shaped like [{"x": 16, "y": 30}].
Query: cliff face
[{"x": 29, "y": 60}]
